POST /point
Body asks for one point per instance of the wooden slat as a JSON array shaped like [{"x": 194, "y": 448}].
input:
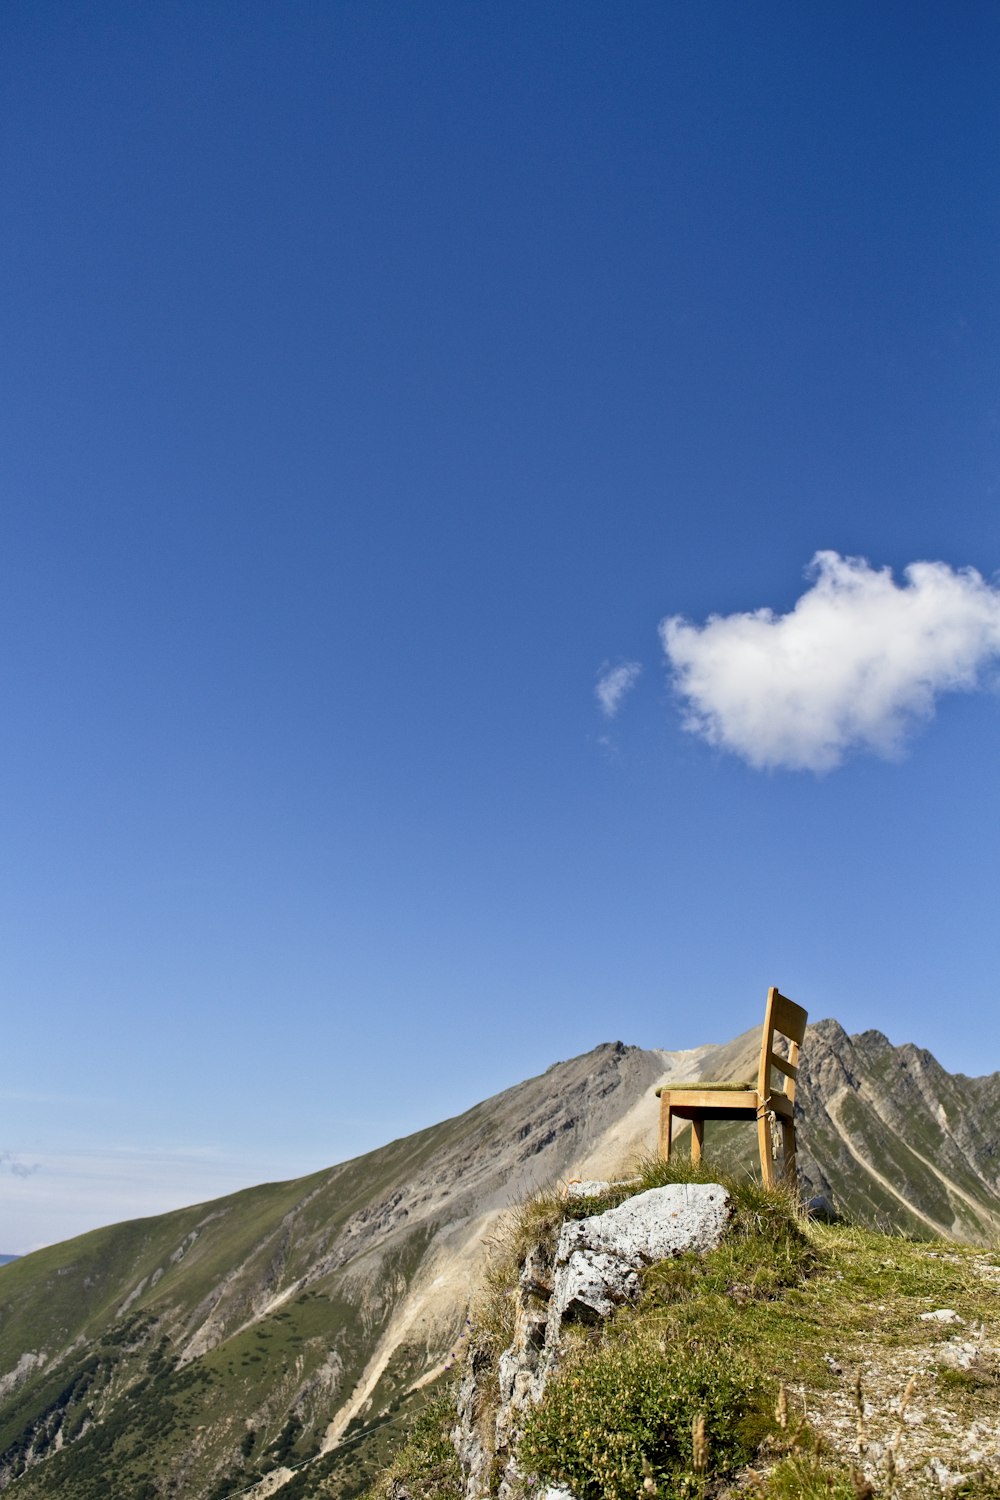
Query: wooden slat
[
  {"x": 716, "y": 1111},
  {"x": 721, "y": 1113},
  {"x": 788, "y": 1018},
  {"x": 712, "y": 1099},
  {"x": 764, "y": 1148},
  {"x": 782, "y": 1064},
  {"x": 777, "y": 1103},
  {"x": 665, "y": 1123}
]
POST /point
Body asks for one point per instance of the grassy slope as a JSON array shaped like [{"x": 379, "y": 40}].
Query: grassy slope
[
  {"x": 185, "y": 1353},
  {"x": 828, "y": 1320}
]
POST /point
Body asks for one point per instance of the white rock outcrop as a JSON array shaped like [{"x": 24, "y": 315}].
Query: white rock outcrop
[
  {"x": 598, "y": 1259},
  {"x": 26, "y": 1365}
]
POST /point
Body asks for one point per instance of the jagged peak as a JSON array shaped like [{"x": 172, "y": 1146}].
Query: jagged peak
[
  {"x": 871, "y": 1038},
  {"x": 828, "y": 1030},
  {"x": 602, "y": 1050}
]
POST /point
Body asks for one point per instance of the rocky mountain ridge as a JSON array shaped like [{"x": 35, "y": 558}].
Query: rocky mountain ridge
[{"x": 220, "y": 1346}]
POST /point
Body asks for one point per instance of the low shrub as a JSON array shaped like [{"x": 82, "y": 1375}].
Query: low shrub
[{"x": 640, "y": 1415}]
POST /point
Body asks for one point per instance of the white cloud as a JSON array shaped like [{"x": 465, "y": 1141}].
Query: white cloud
[
  {"x": 857, "y": 663},
  {"x": 612, "y": 685}
]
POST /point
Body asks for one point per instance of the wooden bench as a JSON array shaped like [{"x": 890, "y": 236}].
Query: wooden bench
[{"x": 771, "y": 1099}]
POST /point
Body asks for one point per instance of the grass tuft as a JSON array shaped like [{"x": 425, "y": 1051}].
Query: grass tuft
[
  {"x": 425, "y": 1466},
  {"x": 809, "y": 1475}
]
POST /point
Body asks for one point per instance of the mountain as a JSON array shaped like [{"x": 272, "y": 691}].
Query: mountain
[
  {"x": 896, "y": 1140},
  {"x": 5, "y": 1260},
  {"x": 207, "y": 1344},
  {"x": 191, "y": 1353}
]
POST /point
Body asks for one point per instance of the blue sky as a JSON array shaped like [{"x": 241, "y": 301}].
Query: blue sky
[{"x": 376, "y": 379}]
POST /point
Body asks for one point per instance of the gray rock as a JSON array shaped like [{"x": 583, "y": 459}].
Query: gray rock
[
  {"x": 819, "y": 1207},
  {"x": 589, "y": 1285},
  {"x": 473, "y": 1454},
  {"x": 535, "y": 1279},
  {"x": 960, "y": 1354},
  {"x": 598, "y": 1258},
  {"x": 661, "y": 1222}
]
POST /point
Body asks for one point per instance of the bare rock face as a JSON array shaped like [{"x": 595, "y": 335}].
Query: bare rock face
[
  {"x": 469, "y": 1435},
  {"x": 598, "y": 1259},
  {"x": 596, "y": 1269}
]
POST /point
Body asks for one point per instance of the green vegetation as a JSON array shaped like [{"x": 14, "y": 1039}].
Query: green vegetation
[
  {"x": 635, "y": 1407},
  {"x": 741, "y": 1370},
  {"x": 808, "y": 1475},
  {"x": 426, "y": 1461},
  {"x": 669, "y": 1394}
]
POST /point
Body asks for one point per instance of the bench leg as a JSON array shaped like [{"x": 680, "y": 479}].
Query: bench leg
[
  {"x": 666, "y": 1121},
  {"x": 764, "y": 1146},
  {"x": 697, "y": 1139}
]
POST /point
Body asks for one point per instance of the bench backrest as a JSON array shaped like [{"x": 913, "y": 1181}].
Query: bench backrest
[{"x": 784, "y": 1018}]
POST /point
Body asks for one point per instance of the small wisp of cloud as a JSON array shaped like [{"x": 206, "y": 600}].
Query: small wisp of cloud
[
  {"x": 14, "y": 1164},
  {"x": 857, "y": 663},
  {"x": 613, "y": 683}
]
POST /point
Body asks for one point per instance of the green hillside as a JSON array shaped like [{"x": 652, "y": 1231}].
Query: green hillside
[
  {"x": 898, "y": 1141},
  {"x": 208, "y": 1345}
]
